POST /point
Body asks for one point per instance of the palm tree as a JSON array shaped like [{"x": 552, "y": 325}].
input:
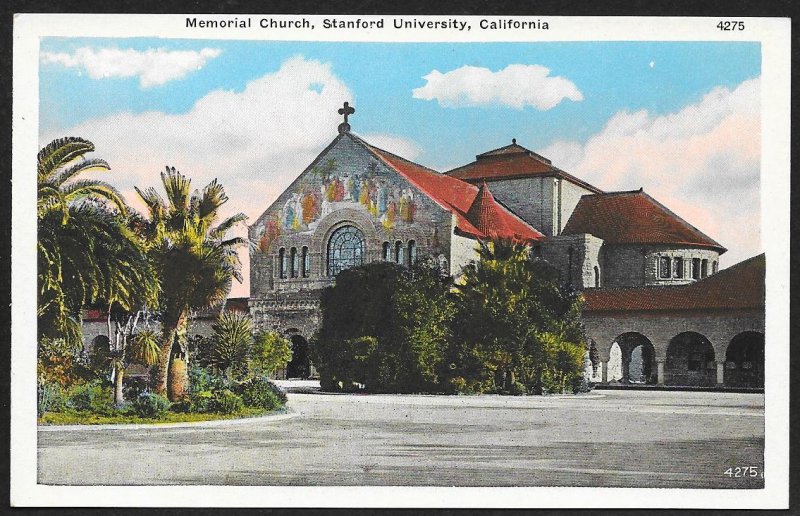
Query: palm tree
[
  {"x": 194, "y": 260},
  {"x": 68, "y": 214}
]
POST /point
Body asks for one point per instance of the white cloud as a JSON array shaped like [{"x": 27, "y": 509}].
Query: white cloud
[
  {"x": 153, "y": 67},
  {"x": 403, "y": 147},
  {"x": 256, "y": 141},
  {"x": 702, "y": 161},
  {"x": 515, "y": 86}
]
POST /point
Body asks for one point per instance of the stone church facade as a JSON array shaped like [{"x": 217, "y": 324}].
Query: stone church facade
[{"x": 356, "y": 203}]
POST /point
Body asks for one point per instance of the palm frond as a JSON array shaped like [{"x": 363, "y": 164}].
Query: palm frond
[
  {"x": 95, "y": 189},
  {"x": 226, "y": 225},
  {"x": 64, "y": 175},
  {"x": 58, "y": 153}
]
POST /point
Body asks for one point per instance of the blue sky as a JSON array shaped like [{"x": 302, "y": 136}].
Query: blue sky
[{"x": 680, "y": 119}]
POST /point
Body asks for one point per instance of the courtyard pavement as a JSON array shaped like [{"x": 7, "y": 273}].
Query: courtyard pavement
[{"x": 606, "y": 438}]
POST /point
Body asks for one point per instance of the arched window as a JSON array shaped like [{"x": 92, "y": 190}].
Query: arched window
[
  {"x": 294, "y": 264},
  {"x": 282, "y": 262},
  {"x": 704, "y": 268},
  {"x": 398, "y": 252},
  {"x": 714, "y": 267},
  {"x": 677, "y": 267},
  {"x": 596, "y": 276},
  {"x": 387, "y": 252},
  {"x": 346, "y": 248},
  {"x": 306, "y": 262},
  {"x": 695, "y": 268},
  {"x": 664, "y": 267},
  {"x": 412, "y": 252}
]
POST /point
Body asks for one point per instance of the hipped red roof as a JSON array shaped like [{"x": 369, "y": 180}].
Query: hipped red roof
[
  {"x": 633, "y": 218},
  {"x": 512, "y": 161},
  {"x": 738, "y": 287},
  {"x": 477, "y": 213}
]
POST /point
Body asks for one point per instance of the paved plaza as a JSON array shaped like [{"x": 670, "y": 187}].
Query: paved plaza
[{"x": 606, "y": 438}]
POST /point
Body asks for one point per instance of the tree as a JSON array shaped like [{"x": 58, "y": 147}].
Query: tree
[
  {"x": 515, "y": 322},
  {"x": 384, "y": 326},
  {"x": 71, "y": 213},
  {"x": 231, "y": 344},
  {"x": 270, "y": 353},
  {"x": 194, "y": 260}
]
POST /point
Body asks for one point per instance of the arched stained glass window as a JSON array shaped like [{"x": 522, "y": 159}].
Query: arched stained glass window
[
  {"x": 282, "y": 262},
  {"x": 346, "y": 248},
  {"x": 412, "y": 252},
  {"x": 387, "y": 252},
  {"x": 399, "y": 255},
  {"x": 294, "y": 263},
  {"x": 306, "y": 262}
]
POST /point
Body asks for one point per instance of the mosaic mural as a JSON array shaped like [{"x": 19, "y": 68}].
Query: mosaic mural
[{"x": 330, "y": 189}]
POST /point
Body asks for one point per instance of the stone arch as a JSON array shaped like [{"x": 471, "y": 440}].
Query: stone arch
[
  {"x": 636, "y": 362},
  {"x": 345, "y": 217},
  {"x": 346, "y": 247},
  {"x": 690, "y": 360},
  {"x": 744, "y": 360}
]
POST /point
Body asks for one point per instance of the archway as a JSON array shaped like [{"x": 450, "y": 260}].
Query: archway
[
  {"x": 636, "y": 358},
  {"x": 300, "y": 364},
  {"x": 744, "y": 360},
  {"x": 690, "y": 360}
]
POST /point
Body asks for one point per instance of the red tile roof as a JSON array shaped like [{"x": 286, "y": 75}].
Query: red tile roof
[
  {"x": 489, "y": 219},
  {"x": 738, "y": 287},
  {"x": 633, "y": 218},
  {"x": 510, "y": 162}
]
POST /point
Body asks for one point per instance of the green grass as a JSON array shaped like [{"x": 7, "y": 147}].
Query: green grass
[{"x": 92, "y": 418}]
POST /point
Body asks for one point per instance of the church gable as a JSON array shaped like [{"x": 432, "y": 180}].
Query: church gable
[{"x": 346, "y": 176}]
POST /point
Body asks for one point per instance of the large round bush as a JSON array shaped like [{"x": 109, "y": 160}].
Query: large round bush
[
  {"x": 151, "y": 405},
  {"x": 259, "y": 392},
  {"x": 226, "y": 402}
]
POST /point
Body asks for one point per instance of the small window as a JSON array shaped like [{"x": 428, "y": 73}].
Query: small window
[
  {"x": 714, "y": 267},
  {"x": 677, "y": 267},
  {"x": 387, "y": 252},
  {"x": 306, "y": 262},
  {"x": 398, "y": 252},
  {"x": 664, "y": 267},
  {"x": 412, "y": 252},
  {"x": 282, "y": 262},
  {"x": 695, "y": 268},
  {"x": 704, "y": 268},
  {"x": 596, "y": 276},
  {"x": 293, "y": 262}
]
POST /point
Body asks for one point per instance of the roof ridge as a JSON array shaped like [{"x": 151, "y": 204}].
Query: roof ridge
[{"x": 392, "y": 154}]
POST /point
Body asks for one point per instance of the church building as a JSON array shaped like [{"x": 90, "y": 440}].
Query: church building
[{"x": 357, "y": 203}]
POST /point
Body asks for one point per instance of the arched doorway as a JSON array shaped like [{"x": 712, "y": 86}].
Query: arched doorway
[
  {"x": 690, "y": 360},
  {"x": 300, "y": 364},
  {"x": 636, "y": 362},
  {"x": 744, "y": 360}
]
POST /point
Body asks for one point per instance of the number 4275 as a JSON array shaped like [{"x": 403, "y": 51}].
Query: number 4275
[
  {"x": 730, "y": 25},
  {"x": 742, "y": 472}
]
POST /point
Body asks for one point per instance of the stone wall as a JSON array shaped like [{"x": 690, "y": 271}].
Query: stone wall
[
  {"x": 576, "y": 257},
  {"x": 530, "y": 198},
  {"x": 569, "y": 195},
  {"x": 638, "y": 265}
]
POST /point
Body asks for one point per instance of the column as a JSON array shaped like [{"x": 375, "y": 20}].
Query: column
[
  {"x": 660, "y": 365},
  {"x": 604, "y": 370},
  {"x": 720, "y": 373}
]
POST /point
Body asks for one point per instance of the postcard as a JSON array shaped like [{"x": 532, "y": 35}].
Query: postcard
[{"x": 400, "y": 261}]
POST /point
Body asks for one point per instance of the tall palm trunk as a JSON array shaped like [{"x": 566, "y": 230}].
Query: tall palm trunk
[
  {"x": 171, "y": 330},
  {"x": 118, "y": 397}
]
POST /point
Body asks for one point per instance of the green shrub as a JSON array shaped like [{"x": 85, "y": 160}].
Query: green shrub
[
  {"x": 226, "y": 402},
  {"x": 151, "y": 405},
  {"x": 93, "y": 396},
  {"x": 261, "y": 393},
  {"x": 201, "y": 380},
  {"x": 51, "y": 398}
]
